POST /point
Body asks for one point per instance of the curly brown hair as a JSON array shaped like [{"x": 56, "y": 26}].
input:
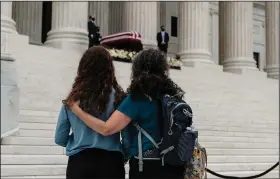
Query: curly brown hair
[
  {"x": 150, "y": 76},
  {"x": 94, "y": 81}
]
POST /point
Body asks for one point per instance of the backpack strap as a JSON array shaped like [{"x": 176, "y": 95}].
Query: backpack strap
[{"x": 140, "y": 150}]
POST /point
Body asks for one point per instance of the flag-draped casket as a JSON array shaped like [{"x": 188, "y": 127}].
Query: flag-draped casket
[{"x": 124, "y": 46}]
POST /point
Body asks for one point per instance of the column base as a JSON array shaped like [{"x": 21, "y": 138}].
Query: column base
[
  {"x": 11, "y": 44},
  {"x": 68, "y": 38},
  {"x": 8, "y": 25},
  {"x": 272, "y": 71},
  {"x": 195, "y": 57},
  {"x": 239, "y": 65}
]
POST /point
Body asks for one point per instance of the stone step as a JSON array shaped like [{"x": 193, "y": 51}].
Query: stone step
[
  {"x": 17, "y": 140},
  {"x": 220, "y": 167},
  {"x": 32, "y": 150},
  {"x": 38, "y": 119},
  {"x": 33, "y": 170},
  {"x": 254, "y": 124},
  {"x": 37, "y": 126},
  {"x": 62, "y": 159},
  {"x": 36, "y": 133},
  {"x": 237, "y": 129},
  {"x": 237, "y": 134},
  {"x": 203, "y": 137},
  {"x": 35, "y": 177},
  {"x": 57, "y": 150},
  {"x": 223, "y": 145},
  {"x": 236, "y": 169},
  {"x": 202, "y": 134},
  {"x": 241, "y": 124},
  {"x": 242, "y": 159},
  {"x": 270, "y": 175},
  {"x": 38, "y": 113},
  {"x": 247, "y": 152},
  {"x": 203, "y": 127},
  {"x": 29, "y": 141},
  {"x": 34, "y": 160},
  {"x": 236, "y": 139}
]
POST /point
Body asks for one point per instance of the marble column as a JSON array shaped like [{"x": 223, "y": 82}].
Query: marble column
[
  {"x": 116, "y": 16},
  {"x": 28, "y": 16},
  {"x": 69, "y": 25},
  {"x": 215, "y": 36},
  {"x": 8, "y": 25},
  {"x": 237, "y": 36},
  {"x": 141, "y": 17},
  {"x": 193, "y": 33},
  {"x": 162, "y": 14},
  {"x": 9, "y": 88},
  {"x": 100, "y": 10},
  {"x": 272, "y": 17}
]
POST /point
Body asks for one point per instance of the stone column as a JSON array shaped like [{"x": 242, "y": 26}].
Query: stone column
[
  {"x": 215, "y": 36},
  {"x": 28, "y": 16},
  {"x": 162, "y": 15},
  {"x": 9, "y": 88},
  {"x": 69, "y": 26},
  {"x": 116, "y": 16},
  {"x": 141, "y": 17},
  {"x": 100, "y": 10},
  {"x": 272, "y": 15},
  {"x": 7, "y": 23},
  {"x": 237, "y": 36},
  {"x": 193, "y": 33}
]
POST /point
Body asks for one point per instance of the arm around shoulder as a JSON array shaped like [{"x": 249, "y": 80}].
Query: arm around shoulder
[{"x": 117, "y": 121}]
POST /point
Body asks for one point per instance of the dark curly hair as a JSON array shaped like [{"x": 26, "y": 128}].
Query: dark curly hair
[
  {"x": 150, "y": 76},
  {"x": 94, "y": 81}
]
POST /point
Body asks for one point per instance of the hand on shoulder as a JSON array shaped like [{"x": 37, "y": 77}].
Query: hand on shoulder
[{"x": 74, "y": 106}]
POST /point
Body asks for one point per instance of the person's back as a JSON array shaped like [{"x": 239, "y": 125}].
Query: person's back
[
  {"x": 149, "y": 80},
  {"x": 82, "y": 137},
  {"x": 92, "y": 155},
  {"x": 144, "y": 112}
]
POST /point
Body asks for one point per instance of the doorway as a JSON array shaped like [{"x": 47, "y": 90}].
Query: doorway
[
  {"x": 256, "y": 56},
  {"x": 46, "y": 20}
]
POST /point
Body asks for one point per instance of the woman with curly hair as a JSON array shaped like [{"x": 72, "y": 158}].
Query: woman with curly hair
[
  {"x": 92, "y": 155},
  {"x": 149, "y": 79}
]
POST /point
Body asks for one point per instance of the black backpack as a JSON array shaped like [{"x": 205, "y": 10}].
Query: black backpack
[{"x": 178, "y": 137}]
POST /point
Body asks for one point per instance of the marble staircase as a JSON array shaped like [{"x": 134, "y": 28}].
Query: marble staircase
[{"x": 237, "y": 115}]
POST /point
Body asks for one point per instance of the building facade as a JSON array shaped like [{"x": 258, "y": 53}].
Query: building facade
[{"x": 239, "y": 36}]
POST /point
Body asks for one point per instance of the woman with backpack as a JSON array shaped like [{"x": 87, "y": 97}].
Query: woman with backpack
[
  {"x": 150, "y": 79},
  {"x": 92, "y": 155}
]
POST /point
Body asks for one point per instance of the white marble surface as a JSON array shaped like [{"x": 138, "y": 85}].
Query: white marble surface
[
  {"x": 7, "y": 23},
  {"x": 28, "y": 17},
  {"x": 69, "y": 26},
  {"x": 272, "y": 39},
  {"x": 237, "y": 38},
  {"x": 141, "y": 17},
  {"x": 193, "y": 33}
]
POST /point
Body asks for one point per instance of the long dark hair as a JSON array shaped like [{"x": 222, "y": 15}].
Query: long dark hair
[
  {"x": 94, "y": 81},
  {"x": 150, "y": 76}
]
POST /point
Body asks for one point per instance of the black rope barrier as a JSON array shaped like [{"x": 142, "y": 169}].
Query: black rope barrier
[{"x": 249, "y": 177}]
